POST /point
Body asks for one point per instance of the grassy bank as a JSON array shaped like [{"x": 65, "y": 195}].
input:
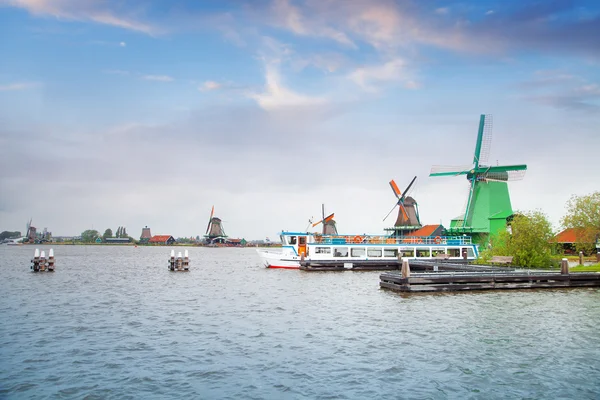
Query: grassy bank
[{"x": 586, "y": 268}]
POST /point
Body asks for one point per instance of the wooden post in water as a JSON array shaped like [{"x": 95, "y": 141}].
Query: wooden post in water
[
  {"x": 564, "y": 266},
  {"x": 405, "y": 269},
  {"x": 581, "y": 258}
]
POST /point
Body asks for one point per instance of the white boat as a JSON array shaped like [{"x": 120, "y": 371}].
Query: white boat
[{"x": 312, "y": 247}]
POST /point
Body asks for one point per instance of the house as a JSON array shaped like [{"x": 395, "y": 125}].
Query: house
[
  {"x": 571, "y": 237},
  {"x": 162, "y": 239}
]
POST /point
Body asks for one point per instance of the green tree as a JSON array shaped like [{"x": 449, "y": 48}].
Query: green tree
[
  {"x": 583, "y": 214},
  {"x": 89, "y": 236},
  {"x": 107, "y": 234},
  {"x": 527, "y": 240},
  {"x": 10, "y": 235}
]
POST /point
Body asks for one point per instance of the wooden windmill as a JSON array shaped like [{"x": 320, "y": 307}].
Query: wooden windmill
[
  {"x": 488, "y": 202},
  {"x": 408, "y": 211},
  {"x": 329, "y": 227},
  {"x": 214, "y": 229}
]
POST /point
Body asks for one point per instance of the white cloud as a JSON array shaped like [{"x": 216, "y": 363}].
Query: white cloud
[
  {"x": 210, "y": 85},
  {"x": 122, "y": 44},
  {"x": 370, "y": 78},
  {"x": 277, "y": 97},
  {"x": 18, "y": 86},
  {"x": 158, "y": 78},
  {"x": 80, "y": 10},
  {"x": 442, "y": 10}
]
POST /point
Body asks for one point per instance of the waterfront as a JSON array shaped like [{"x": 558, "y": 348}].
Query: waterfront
[{"x": 113, "y": 322}]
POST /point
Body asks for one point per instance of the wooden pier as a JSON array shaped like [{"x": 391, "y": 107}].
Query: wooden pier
[
  {"x": 447, "y": 281},
  {"x": 396, "y": 264}
]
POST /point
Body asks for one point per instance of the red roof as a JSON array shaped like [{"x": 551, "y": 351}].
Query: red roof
[
  {"x": 159, "y": 239},
  {"x": 426, "y": 230},
  {"x": 570, "y": 235}
]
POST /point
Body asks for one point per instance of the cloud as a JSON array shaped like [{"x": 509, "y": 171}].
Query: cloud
[
  {"x": 290, "y": 17},
  {"x": 122, "y": 44},
  {"x": 278, "y": 97},
  {"x": 372, "y": 77},
  {"x": 18, "y": 86},
  {"x": 210, "y": 85},
  {"x": 562, "y": 90},
  {"x": 81, "y": 10},
  {"x": 158, "y": 78}
]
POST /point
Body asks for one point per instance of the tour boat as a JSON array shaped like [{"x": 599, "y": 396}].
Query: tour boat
[{"x": 308, "y": 247}]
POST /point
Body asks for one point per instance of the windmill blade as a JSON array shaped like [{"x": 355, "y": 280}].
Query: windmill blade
[
  {"x": 395, "y": 189},
  {"x": 505, "y": 173},
  {"x": 404, "y": 213},
  {"x": 449, "y": 170},
  {"x": 329, "y": 217},
  {"x": 486, "y": 139},
  {"x": 469, "y": 199},
  {"x": 322, "y": 212},
  {"x": 317, "y": 223},
  {"x": 408, "y": 188},
  {"x": 388, "y": 214},
  {"x": 210, "y": 219}
]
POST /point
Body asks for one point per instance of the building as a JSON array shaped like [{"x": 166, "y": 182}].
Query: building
[
  {"x": 569, "y": 240},
  {"x": 146, "y": 235},
  {"x": 162, "y": 239},
  {"x": 114, "y": 240}
]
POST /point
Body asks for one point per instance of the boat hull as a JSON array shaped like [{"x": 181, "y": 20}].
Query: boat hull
[{"x": 275, "y": 260}]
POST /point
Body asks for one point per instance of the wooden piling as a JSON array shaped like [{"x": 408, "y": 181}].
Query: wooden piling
[
  {"x": 581, "y": 258},
  {"x": 405, "y": 272},
  {"x": 564, "y": 266}
]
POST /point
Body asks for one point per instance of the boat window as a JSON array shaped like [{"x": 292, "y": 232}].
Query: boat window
[
  {"x": 357, "y": 251},
  {"x": 340, "y": 252},
  {"x": 292, "y": 239},
  {"x": 423, "y": 253},
  {"x": 470, "y": 252},
  {"x": 454, "y": 252},
  {"x": 406, "y": 252},
  {"x": 302, "y": 239},
  {"x": 390, "y": 252},
  {"x": 322, "y": 250},
  {"x": 437, "y": 250},
  {"x": 374, "y": 252}
]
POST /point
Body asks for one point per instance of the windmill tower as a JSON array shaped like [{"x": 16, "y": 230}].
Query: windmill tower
[
  {"x": 408, "y": 211},
  {"x": 488, "y": 202},
  {"x": 214, "y": 230},
  {"x": 329, "y": 227}
]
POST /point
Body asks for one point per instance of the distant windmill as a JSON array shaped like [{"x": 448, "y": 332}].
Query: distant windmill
[
  {"x": 488, "y": 202},
  {"x": 329, "y": 227},
  {"x": 408, "y": 212},
  {"x": 214, "y": 229}
]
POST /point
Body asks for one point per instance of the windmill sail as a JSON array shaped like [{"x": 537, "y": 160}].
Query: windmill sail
[{"x": 329, "y": 226}]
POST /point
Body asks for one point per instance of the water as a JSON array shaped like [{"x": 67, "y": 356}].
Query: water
[{"x": 114, "y": 323}]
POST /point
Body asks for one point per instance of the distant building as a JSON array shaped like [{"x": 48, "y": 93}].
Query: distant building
[
  {"x": 146, "y": 235},
  {"x": 571, "y": 237},
  {"x": 162, "y": 239},
  {"x": 114, "y": 240}
]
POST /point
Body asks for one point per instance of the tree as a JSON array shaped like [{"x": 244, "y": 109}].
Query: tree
[
  {"x": 527, "y": 240},
  {"x": 89, "y": 236},
  {"x": 10, "y": 235},
  {"x": 583, "y": 214},
  {"x": 107, "y": 234}
]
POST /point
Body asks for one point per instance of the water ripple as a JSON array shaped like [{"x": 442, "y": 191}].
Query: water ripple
[{"x": 114, "y": 323}]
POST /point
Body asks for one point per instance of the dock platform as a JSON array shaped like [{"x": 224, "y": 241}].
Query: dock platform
[
  {"x": 396, "y": 264},
  {"x": 447, "y": 281}
]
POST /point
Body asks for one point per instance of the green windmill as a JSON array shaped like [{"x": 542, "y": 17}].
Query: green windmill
[{"x": 488, "y": 203}]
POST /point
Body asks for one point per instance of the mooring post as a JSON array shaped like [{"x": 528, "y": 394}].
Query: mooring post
[
  {"x": 564, "y": 266},
  {"x": 405, "y": 269},
  {"x": 581, "y": 258},
  {"x": 399, "y": 260},
  {"x": 598, "y": 256}
]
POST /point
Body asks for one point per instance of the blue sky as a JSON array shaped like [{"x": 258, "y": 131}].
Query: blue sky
[{"x": 148, "y": 113}]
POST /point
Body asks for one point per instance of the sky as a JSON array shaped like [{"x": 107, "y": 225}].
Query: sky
[{"x": 117, "y": 113}]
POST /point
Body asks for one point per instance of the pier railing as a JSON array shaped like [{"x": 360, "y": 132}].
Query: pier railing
[{"x": 409, "y": 240}]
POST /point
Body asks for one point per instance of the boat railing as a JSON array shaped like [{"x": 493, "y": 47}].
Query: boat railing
[{"x": 411, "y": 240}]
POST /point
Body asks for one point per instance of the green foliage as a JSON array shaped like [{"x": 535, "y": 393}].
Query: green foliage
[
  {"x": 528, "y": 241},
  {"x": 10, "y": 235},
  {"x": 107, "y": 233},
  {"x": 89, "y": 236},
  {"x": 583, "y": 213}
]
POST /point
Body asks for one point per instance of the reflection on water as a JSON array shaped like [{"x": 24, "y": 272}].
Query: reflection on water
[{"x": 113, "y": 322}]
